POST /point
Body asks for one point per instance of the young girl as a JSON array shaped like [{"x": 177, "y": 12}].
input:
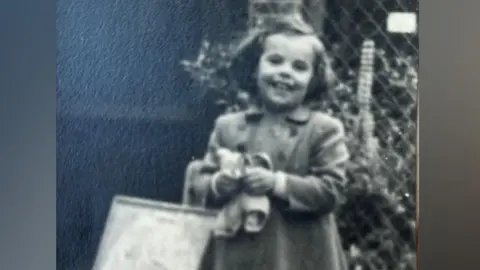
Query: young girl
[{"x": 283, "y": 67}]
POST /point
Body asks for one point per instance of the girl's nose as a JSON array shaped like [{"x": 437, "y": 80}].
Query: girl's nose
[{"x": 284, "y": 75}]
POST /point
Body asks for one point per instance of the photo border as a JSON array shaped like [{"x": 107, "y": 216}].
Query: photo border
[
  {"x": 27, "y": 170},
  {"x": 449, "y": 139}
]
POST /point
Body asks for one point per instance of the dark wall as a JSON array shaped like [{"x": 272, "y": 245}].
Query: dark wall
[
  {"x": 98, "y": 158},
  {"x": 128, "y": 118},
  {"x": 126, "y": 53}
]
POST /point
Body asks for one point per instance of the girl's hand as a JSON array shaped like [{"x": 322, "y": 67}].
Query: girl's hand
[
  {"x": 226, "y": 181},
  {"x": 258, "y": 181}
]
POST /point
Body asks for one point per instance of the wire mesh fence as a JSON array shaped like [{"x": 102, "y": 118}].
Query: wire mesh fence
[{"x": 378, "y": 219}]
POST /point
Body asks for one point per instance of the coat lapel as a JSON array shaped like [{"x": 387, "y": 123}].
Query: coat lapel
[
  {"x": 292, "y": 141},
  {"x": 287, "y": 143}
]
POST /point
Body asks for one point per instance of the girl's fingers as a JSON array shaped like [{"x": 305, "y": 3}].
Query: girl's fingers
[{"x": 251, "y": 179}]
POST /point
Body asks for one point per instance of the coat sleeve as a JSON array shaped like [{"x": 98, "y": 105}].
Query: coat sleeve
[
  {"x": 321, "y": 189},
  {"x": 201, "y": 184}
]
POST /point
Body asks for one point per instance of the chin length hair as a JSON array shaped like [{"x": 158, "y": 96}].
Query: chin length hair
[{"x": 249, "y": 49}]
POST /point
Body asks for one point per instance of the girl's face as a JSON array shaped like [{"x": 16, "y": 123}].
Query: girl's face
[{"x": 285, "y": 70}]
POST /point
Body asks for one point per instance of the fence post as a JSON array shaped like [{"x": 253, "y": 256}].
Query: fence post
[
  {"x": 261, "y": 11},
  {"x": 315, "y": 11}
]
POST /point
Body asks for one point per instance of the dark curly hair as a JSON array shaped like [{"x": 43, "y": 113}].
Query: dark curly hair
[{"x": 248, "y": 50}]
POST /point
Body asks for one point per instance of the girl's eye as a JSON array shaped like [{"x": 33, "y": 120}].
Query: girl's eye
[
  {"x": 300, "y": 65},
  {"x": 275, "y": 59}
]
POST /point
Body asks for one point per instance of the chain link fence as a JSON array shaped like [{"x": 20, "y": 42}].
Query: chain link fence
[{"x": 378, "y": 219}]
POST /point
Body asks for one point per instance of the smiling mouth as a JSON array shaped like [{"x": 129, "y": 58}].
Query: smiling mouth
[{"x": 282, "y": 85}]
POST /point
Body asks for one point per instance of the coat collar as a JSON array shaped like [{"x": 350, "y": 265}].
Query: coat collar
[{"x": 301, "y": 115}]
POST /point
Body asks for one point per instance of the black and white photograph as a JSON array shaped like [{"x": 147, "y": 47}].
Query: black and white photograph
[{"x": 237, "y": 134}]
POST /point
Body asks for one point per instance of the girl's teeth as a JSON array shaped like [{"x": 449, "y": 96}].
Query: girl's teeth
[{"x": 280, "y": 85}]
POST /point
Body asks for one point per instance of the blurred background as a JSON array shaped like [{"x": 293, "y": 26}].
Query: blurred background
[{"x": 130, "y": 116}]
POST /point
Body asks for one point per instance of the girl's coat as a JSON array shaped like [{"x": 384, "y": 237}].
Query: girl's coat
[{"x": 301, "y": 232}]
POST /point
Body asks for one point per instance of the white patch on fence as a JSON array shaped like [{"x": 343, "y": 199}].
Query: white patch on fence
[{"x": 402, "y": 22}]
